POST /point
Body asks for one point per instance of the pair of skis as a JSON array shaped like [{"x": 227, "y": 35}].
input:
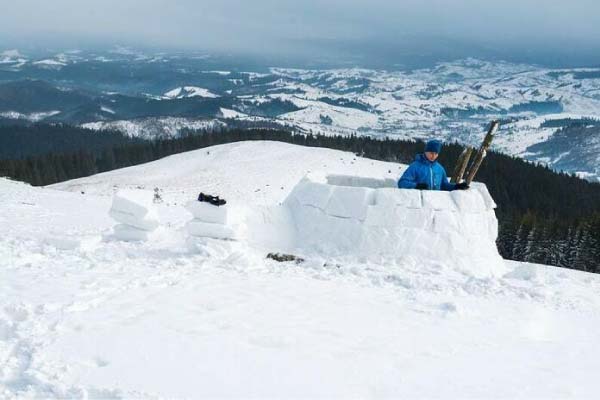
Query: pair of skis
[{"x": 465, "y": 156}]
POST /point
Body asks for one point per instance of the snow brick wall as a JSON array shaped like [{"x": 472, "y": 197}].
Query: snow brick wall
[{"x": 340, "y": 215}]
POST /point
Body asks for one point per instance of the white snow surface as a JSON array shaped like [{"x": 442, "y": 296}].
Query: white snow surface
[
  {"x": 85, "y": 317},
  {"x": 50, "y": 63},
  {"x": 228, "y": 113},
  {"x": 33, "y": 117}
]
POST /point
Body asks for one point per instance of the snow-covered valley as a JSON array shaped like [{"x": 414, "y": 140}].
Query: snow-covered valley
[
  {"x": 83, "y": 315},
  {"x": 452, "y": 100}
]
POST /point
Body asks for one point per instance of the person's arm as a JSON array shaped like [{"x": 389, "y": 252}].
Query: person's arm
[
  {"x": 447, "y": 186},
  {"x": 409, "y": 178}
]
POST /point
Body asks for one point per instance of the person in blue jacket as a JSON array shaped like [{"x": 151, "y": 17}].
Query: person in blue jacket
[{"x": 425, "y": 173}]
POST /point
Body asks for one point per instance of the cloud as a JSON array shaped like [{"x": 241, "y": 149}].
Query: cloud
[{"x": 256, "y": 25}]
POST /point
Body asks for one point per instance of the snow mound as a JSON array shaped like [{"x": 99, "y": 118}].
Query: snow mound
[{"x": 338, "y": 215}]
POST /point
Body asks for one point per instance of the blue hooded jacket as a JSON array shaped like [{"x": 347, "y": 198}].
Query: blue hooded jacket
[{"x": 424, "y": 171}]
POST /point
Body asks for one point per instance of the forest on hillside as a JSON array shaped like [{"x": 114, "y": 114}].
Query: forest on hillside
[{"x": 545, "y": 217}]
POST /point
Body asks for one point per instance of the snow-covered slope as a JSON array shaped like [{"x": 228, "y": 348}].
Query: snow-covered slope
[
  {"x": 260, "y": 173},
  {"x": 154, "y": 128},
  {"x": 83, "y": 316},
  {"x": 12, "y": 58},
  {"x": 189, "y": 91}
]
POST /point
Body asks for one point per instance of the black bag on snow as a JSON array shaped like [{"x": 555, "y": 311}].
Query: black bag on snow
[{"x": 214, "y": 200}]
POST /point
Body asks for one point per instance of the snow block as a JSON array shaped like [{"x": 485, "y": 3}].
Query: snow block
[
  {"x": 438, "y": 200},
  {"x": 359, "y": 181},
  {"x": 406, "y": 198},
  {"x": 146, "y": 223},
  {"x": 312, "y": 194},
  {"x": 349, "y": 202},
  {"x": 206, "y": 212},
  {"x": 135, "y": 202},
  {"x": 210, "y": 230},
  {"x": 129, "y": 233},
  {"x": 378, "y": 216},
  {"x": 468, "y": 200}
]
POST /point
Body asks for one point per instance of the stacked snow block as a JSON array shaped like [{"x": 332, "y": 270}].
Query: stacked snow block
[
  {"x": 209, "y": 221},
  {"x": 337, "y": 215},
  {"x": 135, "y": 211}
]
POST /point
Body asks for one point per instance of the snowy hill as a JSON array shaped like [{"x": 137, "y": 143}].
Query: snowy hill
[
  {"x": 154, "y": 128},
  {"x": 189, "y": 91},
  {"x": 85, "y": 316}
]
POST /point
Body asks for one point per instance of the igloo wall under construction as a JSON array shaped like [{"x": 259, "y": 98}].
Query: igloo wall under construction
[{"x": 338, "y": 215}]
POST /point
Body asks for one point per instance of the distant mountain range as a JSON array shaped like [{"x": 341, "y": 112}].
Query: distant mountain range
[{"x": 159, "y": 95}]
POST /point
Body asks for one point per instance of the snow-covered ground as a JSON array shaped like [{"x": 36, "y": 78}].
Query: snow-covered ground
[{"x": 85, "y": 316}]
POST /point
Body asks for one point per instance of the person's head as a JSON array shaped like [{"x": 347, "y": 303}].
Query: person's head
[{"x": 433, "y": 149}]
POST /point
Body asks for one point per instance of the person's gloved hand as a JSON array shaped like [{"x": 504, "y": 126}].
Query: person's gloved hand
[
  {"x": 422, "y": 186},
  {"x": 462, "y": 186}
]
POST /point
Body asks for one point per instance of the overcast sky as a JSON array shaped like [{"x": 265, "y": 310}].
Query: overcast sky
[{"x": 258, "y": 25}]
